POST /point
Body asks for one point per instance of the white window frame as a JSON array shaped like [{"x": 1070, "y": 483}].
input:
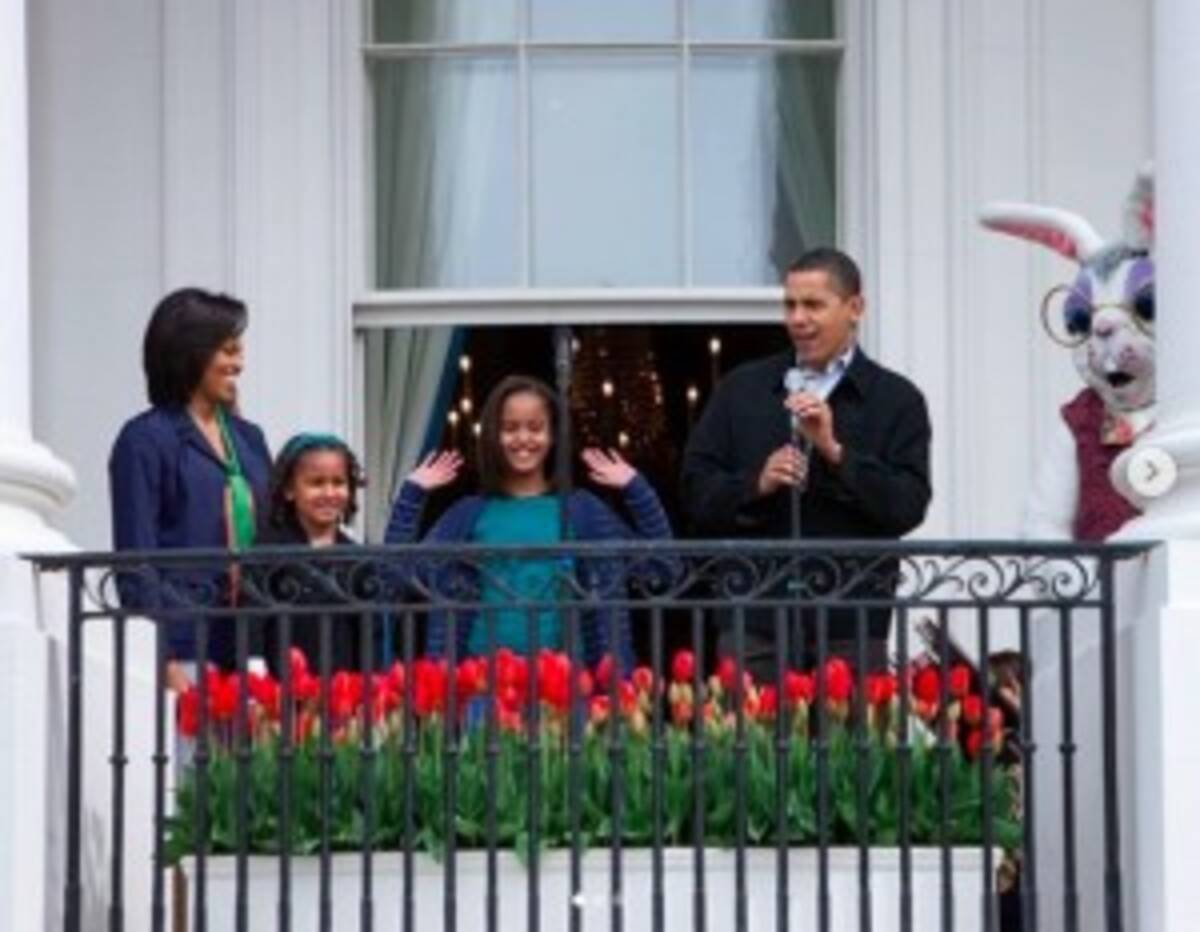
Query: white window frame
[{"x": 375, "y": 309}]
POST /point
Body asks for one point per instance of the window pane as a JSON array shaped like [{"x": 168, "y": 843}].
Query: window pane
[
  {"x": 762, "y": 19},
  {"x": 605, "y": 171},
  {"x": 445, "y": 172},
  {"x": 445, "y": 21},
  {"x": 603, "y": 20},
  {"x": 763, "y": 147}
]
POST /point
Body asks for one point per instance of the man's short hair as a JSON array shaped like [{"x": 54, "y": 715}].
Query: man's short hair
[{"x": 842, "y": 270}]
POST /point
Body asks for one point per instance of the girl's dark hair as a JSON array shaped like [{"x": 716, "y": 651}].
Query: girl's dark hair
[
  {"x": 185, "y": 331},
  {"x": 280, "y": 512},
  {"x": 493, "y": 466}
]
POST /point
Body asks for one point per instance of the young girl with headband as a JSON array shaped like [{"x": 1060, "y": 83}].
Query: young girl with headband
[{"x": 313, "y": 496}]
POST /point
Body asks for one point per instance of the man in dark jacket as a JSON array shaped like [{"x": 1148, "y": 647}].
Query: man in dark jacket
[{"x": 859, "y": 453}]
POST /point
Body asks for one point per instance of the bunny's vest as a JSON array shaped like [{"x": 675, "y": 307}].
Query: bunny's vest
[{"x": 1101, "y": 510}]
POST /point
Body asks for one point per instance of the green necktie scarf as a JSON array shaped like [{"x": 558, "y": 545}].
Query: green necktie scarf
[{"x": 239, "y": 497}]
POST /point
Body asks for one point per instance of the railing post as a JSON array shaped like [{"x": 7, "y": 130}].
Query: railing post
[
  {"x": 1108, "y": 699},
  {"x": 73, "y": 892}
]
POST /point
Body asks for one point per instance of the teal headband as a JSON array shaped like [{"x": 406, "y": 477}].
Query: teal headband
[{"x": 301, "y": 443}]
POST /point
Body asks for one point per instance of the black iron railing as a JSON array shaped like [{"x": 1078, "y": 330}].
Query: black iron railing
[{"x": 832, "y": 743}]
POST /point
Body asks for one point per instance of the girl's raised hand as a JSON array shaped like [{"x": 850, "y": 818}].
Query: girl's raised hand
[
  {"x": 437, "y": 469},
  {"x": 608, "y": 468}
]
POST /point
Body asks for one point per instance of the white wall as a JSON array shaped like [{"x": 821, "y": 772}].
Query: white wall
[
  {"x": 183, "y": 143},
  {"x": 980, "y": 101}
]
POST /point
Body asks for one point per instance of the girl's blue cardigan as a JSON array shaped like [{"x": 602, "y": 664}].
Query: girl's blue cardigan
[{"x": 589, "y": 519}]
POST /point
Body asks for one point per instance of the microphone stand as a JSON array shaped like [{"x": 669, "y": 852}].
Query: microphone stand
[
  {"x": 802, "y": 446},
  {"x": 800, "y": 442}
]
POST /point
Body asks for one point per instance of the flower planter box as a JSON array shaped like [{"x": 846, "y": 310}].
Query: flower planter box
[{"x": 637, "y": 876}]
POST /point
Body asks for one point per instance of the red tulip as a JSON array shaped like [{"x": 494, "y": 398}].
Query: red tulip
[
  {"x": 880, "y": 689},
  {"x": 727, "y": 673},
  {"x": 768, "y": 702},
  {"x": 972, "y": 710},
  {"x": 222, "y": 697},
  {"x": 298, "y": 663},
  {"x": 604, "y": 671},
  {"x": 599, "y": 709},
  {"x": 798, "y": 687},
  {"x": 683, "y": 667},
  {"x": 470, "y": 679},
  {"x": 187, "y": 711},
  {"x": 839, "y": 680},
  {"x": 383, "y": 694},
  {"x": 960, "y": 680},
  {"x": 509, "y": 697},
  {"x": 265, "y": 691},
  {"x": 627, "y": 696},
  {"x": 554, "y": 683},
  {"x": 927, "y": 685},
  {"x": 345, "y": 694},
  {"x": 306, "y": 688},
  {"x": 383, "y": 699},
  {"x": 643, "y": 679},
  {"x": 395, "y": 678},
  {"x": 511, "y": 670},
  {"x": 429, "y": 686}
]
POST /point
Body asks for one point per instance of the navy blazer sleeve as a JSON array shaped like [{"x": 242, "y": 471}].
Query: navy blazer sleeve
[{"x": 135, "y": 476}]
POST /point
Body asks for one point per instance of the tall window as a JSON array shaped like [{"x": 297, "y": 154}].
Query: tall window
[
  {"x": 580, "y": 143},
  {"x": 523, "y": 147}
]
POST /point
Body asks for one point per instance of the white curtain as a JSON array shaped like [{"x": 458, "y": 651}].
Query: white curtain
[
  {"x": 404, "y": 370},
  {"x": 442, "y": 221},
  {"x": 805, "y": 113}
]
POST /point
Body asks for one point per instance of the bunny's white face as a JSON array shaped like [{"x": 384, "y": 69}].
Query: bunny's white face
[{"x": 1111, "y": 308}]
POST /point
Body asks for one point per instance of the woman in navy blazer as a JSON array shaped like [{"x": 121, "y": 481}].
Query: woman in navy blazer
[{"x": 173, "y": 468}]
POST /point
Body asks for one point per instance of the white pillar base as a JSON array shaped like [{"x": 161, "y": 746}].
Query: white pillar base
[
  {"x": 34, "y": 484},
  {"x": 1166, "y": 743}
]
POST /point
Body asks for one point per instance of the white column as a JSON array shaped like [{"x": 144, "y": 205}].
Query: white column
[
  {"x": 1166, "y": 739},
  {"x": 1176, "y": 514},
  {"x": 33, "y": 484}
]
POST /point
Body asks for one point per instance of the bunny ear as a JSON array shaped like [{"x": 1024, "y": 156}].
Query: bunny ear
[
  {"x": 1139, "y": 210},
  {"x": 1066, "y": 233}
]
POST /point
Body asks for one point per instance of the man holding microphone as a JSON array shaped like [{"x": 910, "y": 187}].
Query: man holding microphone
[{"x": 818, "y": 441}]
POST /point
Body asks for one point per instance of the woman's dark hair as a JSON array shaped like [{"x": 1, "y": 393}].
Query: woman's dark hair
[
  {"x": 493, "y": 466},
  {"x": 281, "y": 513},
  {"x": 185, "y": 331}
]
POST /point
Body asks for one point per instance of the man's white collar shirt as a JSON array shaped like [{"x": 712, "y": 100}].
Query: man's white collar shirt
[{"x": 822, "y": 382}]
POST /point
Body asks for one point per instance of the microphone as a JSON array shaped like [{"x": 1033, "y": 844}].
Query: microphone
[{"x": 794, "y": 381}]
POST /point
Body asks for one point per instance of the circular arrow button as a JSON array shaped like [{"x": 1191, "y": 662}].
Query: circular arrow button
[{"x": 1151, "y": 472}]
